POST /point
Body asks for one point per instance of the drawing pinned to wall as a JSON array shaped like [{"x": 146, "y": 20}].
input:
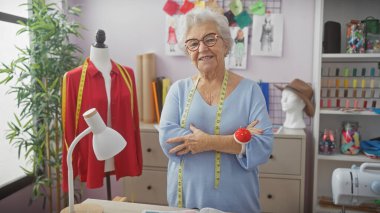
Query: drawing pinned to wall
[
  {"x": 237, "y": 59},
  {"x": 171, "y": 43},
  {"x": 267, "y": 35}
]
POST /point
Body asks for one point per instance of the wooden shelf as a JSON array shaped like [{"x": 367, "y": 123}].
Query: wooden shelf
[
  {"x": 344, "y": 57},
  {"x": 338, "y": 112},
  {"x": 348, "y": 158}
]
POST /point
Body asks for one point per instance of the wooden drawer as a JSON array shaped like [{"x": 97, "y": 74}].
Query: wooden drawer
[
  {"x": 151, "y": 150},
  {"x": 286, "y": 157},
  {"x": 280, "y": 195},
  {"x": 150, "y": 188}
]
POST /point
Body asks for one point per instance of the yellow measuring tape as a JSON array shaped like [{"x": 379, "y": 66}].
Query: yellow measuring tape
[
  {"x": 80, "y": 93},
  {"x": 217, "y": 128},
  {"x": 63, "y": 106},
  {"x": 189, "y": 99},
  {"x": 127, "y": 80}
]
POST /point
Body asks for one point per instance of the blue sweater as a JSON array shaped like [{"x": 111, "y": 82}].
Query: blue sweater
[{"x": 239, "y": 187}]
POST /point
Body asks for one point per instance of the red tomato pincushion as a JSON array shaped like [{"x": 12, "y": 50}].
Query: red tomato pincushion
[{"x": 242, "y": 135}]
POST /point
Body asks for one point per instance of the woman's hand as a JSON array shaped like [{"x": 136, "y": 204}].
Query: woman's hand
[
  {"x": 196, "y": 142},
  {"x": 254, "y": 131},
  {"x": 199, "y": 141}
]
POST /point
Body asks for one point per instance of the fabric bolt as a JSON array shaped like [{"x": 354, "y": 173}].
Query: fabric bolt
[
  {"x": 239, "y": 176},
  {"x": 124, "y": 119}
]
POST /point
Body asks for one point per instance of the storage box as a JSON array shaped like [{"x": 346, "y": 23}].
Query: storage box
[
  {"x": 355, "y": 35},
  {"x": 373, "y": 43}
]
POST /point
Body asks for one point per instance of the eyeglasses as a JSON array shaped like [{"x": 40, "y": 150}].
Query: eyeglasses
[{"x": 209, "y": 40}]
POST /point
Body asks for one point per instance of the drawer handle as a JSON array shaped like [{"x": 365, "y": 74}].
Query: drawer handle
[
  {"x": 149, "y": 187},
  {"x": 269, "y": 196},
  {"x": 271, "y": 157},
  {"x": 149, "y": 150}
]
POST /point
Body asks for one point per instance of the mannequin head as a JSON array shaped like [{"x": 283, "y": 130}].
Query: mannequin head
[
  {"x": 99, "y": 54},
  {"x": 296, "y": 98},
  {"x": 303, "y": 91},
  {"x": 291, "y": 102},
  {"x": 293, "y": 106},
  {"x": 100, "y": 39}
]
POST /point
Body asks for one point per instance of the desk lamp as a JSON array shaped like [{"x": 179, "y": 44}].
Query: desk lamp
[{"x": 106, "y": 143}]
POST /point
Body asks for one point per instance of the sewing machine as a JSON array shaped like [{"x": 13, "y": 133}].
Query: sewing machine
[{"x": 356, "y": 185}]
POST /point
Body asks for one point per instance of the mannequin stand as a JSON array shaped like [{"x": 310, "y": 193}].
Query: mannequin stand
[{"x": 108, "y": 184}]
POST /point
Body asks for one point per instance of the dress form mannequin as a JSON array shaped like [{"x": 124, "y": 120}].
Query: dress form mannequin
[
  {"x": 82, "y": 92},
  {"x": 293, "y": 106},
  {"x": 99, "y": 56}
]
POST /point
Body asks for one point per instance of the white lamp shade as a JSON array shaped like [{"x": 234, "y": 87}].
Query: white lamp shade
[
  {"x": 106, "y": 141},
  {"x": 107, "y": 144}
]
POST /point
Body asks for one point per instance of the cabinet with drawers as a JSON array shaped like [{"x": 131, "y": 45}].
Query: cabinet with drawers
[
  {"x": 150, "y": 187},
  {"x": 281, "y": 179}
]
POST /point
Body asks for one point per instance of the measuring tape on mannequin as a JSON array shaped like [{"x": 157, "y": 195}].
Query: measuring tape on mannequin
[{"x": 189, "y": 99}]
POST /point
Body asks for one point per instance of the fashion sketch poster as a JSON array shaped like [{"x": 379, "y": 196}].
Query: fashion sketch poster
[
  {"x": 267, "y": 35},
  {"x": 171, "y": 36},
  {"x": 237, "y": 58}
]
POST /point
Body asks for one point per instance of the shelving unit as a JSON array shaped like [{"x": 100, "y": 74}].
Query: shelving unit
[
  {"x": 347, "y": 158},
  {"x": 339, "y": 112},
  {"x": 341, "y": 11},
  {"x": 326, "y": 57}
]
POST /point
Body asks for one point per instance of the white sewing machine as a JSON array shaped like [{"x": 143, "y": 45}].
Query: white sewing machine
[{"x": 356, "y": 185}]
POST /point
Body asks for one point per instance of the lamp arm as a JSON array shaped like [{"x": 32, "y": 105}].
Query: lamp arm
[{"x": 70, "y": 167}]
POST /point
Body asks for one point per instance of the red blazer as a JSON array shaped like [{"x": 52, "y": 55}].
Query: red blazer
[{"x": 124, "y": 119}]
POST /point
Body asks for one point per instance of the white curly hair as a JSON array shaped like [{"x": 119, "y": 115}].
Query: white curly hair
[{"x": 199, "y": 16}]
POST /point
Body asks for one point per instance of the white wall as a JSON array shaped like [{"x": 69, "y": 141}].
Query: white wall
[{"x": 137, "y": 26}]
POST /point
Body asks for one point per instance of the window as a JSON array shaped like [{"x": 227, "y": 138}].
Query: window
[{"x": 12, "y": 174}]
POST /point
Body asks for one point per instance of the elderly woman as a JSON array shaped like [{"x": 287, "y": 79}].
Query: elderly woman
[{"x": 207, "y": 167}]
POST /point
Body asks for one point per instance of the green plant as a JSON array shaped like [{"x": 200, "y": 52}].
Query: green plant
[{"x": 37, "y": 75}]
